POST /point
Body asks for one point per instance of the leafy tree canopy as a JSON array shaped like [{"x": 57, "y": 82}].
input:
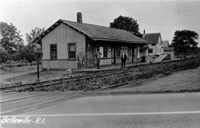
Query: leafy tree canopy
[
  {"x": 29, "y": 49},
  {"x": 10, "y": 37},
  {"x": 126, "y": 23},
  {"x": 3, "y": 55},
  {"x": 33, "y": 34},
  {"x": 12, "y": 46},
  {"x": 184, "y": 40}
]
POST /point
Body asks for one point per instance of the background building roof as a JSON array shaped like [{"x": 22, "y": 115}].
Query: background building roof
[
  {"x": 165, "y": 43},
  {"x": 168, "y": 48},
  {"x": 152, "y": 37}
]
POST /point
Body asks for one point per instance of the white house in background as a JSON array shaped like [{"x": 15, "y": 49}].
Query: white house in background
[
  {"x": 165, "y": 43},
  {"x": 168, "y": 50},
  {"x": 155, "y": 46}
]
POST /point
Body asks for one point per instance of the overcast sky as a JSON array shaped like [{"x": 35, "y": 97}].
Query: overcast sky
[{"x": 164, "y": 16}]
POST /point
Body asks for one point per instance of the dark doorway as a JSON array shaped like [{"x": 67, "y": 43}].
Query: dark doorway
[{"x": 113, "y": 55}]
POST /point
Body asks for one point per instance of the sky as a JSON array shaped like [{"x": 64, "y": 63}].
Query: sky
[{"x": 164, "y": 16}]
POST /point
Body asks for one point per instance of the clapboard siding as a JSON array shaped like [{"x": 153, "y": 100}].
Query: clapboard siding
[
  {"x": 62, "y": 35},
  {"x": 105, "y": 62},
  {"x": 58, "y": 64}
]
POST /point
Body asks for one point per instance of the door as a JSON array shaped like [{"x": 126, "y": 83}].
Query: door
[
  {"x": 113, "y": 55},
  {"x": 91, "y": 57},
  {"x": 130, "y": 58},
  {"x": 133, "y": 54}
]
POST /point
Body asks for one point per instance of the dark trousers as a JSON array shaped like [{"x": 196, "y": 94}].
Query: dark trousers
[{"x": 123, "y": 63}]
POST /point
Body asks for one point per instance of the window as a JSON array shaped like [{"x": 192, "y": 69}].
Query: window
[
  {"x": 72, "y": 50},
  {"x": 153, "y": 44},
  {"x": 101, "y": 51},
  {"x": 141, "y": 50},
  {"x": 53, "y": 51},
  {"x": 105, "y": 52},
  {"x": 150, "y": 50},
  {"x": 118, "y": 52}
]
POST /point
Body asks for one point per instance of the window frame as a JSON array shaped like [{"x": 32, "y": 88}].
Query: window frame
[
  {"x": 53, "y": 58},
  {"x": 105, "y": 52},
  {"x": 150, "y": 50},
  {"x": 118, "y": 52},
  {"x": 69, "y": 54}
]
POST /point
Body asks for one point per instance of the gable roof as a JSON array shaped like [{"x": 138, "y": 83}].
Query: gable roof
[
  {"x": 165, "y": 43},
  {"x": 152, "y": 37},
  {"x": 168, "y": 48},
  {"x": 96, "y": 32}
]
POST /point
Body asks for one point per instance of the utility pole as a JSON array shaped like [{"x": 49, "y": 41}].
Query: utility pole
[{"x": 38, "y": 54}]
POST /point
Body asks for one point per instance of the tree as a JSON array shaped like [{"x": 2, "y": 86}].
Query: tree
[
  {"x": 33, "y": 34},
  {"x": 10, "y": 37},
  {"x": 126, "y": 23},
  {"x": 3, "y": 55},
  {"x": 184, "y": 40},
  {"x": 29, "y": 49},
  {"x": 29, "y": 53}
]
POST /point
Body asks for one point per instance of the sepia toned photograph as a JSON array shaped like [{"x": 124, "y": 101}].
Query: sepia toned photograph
[{"x": 100, "y": 64}]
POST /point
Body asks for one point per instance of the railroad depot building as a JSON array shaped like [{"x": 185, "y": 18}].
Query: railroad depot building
[{"x": 72, "y": 45}]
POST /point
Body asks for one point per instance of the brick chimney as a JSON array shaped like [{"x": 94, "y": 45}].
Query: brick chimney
[{"x": 79, "y": 17}]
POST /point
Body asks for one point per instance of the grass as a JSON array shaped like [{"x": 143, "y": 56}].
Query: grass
[
  {"x": 27, "y": 74},
  {"x": 7, "y": 70},
  {"x": 177, "y": 82}
]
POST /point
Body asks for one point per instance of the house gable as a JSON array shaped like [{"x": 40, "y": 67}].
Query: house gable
[
  {"x": 165, "y": 43},
  {"x": 159, "y": 40},
  {"x": 155, "y": 40},
  {"x": 63, "y": 35},
  {"x": 152, "y": 38}
]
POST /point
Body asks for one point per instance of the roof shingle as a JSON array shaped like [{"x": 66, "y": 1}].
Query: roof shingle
[
  {"x": 97, "y": 32},
  {"x": 165, "y": 43},
  {"x": 152, "y": 37}
]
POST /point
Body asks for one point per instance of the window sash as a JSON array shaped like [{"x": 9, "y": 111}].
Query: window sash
[
  {"x": 53, "y": 51},
  {"x": 72, "y": 50},
  {"x": 105, "y": 52},
  {"x": 118, "y": 52},
  {"x": 72, "y": 54},
  {"x": 150, "y": 50}
]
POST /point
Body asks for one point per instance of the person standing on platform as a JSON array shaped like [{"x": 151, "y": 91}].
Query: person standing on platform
[
  {"x": 123, "y": 59},
  {"x": 98, "y": 59}
]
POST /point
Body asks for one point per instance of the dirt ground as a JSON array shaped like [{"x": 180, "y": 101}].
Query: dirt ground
[
  {"x": 11, "y": 70},
  {"x": 27, "y": 74},
  {"x": 187, "y": 80}
]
